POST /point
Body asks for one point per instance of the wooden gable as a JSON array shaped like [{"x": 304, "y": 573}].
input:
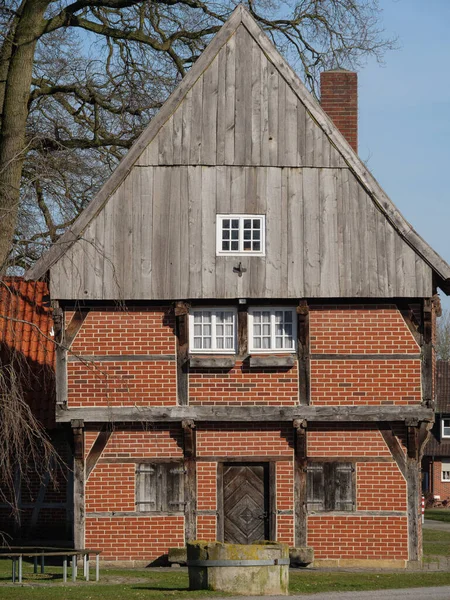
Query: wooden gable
[{"x": 241, "y": 135}]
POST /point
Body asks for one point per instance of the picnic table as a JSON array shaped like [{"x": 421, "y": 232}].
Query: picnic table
[{"x": 17, "y": 554}]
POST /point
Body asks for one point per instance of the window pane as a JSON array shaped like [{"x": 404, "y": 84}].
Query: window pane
[
  {"x": 247, "y": 234},
  {"x": 247, "y": 245},
  {"x": 235, "y": 246},
  {"x": 226, "y": 234},
  {"x": 247, "y": 223},
  {"x": 226, "y": 223},
  {"x": 256, "y": 223},
  {"x": 234, "y": 223},
  {"x": 257, "y": 246},
  {"x": 225, "y": 245},
  {"x": 266, "y": 343},
  {"x": 256, "y": 235},
  {"x": 234, "y": 234},
  {"x": 197, "y": 317}
]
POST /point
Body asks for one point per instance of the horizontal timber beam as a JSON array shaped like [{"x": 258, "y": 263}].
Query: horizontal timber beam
[{"x": 245, "y": 413}]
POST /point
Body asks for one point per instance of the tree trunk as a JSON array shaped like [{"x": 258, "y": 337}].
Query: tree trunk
[{"x": 15, "y": 112}]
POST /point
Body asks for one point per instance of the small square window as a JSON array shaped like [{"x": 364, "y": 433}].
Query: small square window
[
  {"x": 272, "y": 330},
  {"x": 212, "y": 330},
  {"x": 160, "y": 487},
  {"x": 240, "y": 234},
  {"x": 445, "y": 471},
  {"x": 445, "y": 428}
]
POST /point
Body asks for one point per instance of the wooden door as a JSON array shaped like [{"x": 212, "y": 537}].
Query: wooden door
[{"x": 245, "y": 503}]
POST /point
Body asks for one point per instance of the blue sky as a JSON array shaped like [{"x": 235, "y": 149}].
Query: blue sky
[{"x": 404, "y": 117}]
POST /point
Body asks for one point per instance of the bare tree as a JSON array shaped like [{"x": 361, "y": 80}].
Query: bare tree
[{"x": 79, "y": 81}]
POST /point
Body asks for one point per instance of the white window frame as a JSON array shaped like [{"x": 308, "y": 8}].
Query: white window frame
[
  {"x": 444, "y": 427},
  {"x": 241, "y": 252},
  {"x": 445, "y": 471},
  {"x": 272, "y": 349},
  {"x": 214, "y": 310}
]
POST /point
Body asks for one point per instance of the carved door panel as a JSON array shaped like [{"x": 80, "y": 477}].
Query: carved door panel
[{"x": 245, "y": 503}]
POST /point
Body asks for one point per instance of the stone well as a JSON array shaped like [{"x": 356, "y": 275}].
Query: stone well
[{"x": 256, "y": 569}]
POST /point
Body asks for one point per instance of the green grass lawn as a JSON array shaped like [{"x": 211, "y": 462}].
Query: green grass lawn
[
  {"x": 436, "y": 543},
  {"x": 140, "y": 584},
  {"x": 438, "y": 514}
]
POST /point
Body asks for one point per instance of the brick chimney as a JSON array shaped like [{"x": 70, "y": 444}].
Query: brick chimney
[{"x": 339, "y": 99}]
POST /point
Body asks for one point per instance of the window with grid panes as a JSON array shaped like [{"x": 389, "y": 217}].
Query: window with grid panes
[
  {"x": 212, "y": 330},
  {"x": 240, "y": 234},
  {"x": 272, "y": 329}
]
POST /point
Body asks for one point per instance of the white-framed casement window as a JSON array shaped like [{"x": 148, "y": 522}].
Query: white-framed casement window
[
  {"x": 272, "y": 329},
  {"x": 212, "y": 330},
  {"x": 445, "y": 424},
  {"x": 445, "y": 473},
  {"x": 241, "y": 234}
]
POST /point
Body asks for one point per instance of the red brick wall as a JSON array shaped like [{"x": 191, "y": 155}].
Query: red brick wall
[
  {"x": 244, "y": 439},
  {"x": 244, "y": 386},
  {"x": 377, "y": 329},
  {"x": 359, "y": 329},
  {"x": 339, "y": 99},
  {"x": 358, "y": 537},
  {"x": 111, "y": 488},
  {"x": 114, "y": 332},
  {"x": 285, "y": 501},
  {"x": 380, "y": 486},
  {"x": 355, "y": 439},
  {"x": 134, "y": 537}
]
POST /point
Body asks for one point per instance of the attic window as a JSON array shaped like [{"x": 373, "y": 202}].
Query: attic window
[
  {"x": 240, "y": 235},
  {"x": 446, "y": 428}
]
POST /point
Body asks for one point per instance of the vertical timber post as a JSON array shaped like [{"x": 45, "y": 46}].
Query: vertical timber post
[
  {"x": 427, "y": 353},
  {"x": 60, "y": 355},
  {"x": 78, "y": 483},
  {"x": 182, "y": 333},
  {"x": 413, "y": 483},
  {"x": 303, "y": 353},
  {"x": 190, "y": 481},
  {"x": 300, "y": 454}
]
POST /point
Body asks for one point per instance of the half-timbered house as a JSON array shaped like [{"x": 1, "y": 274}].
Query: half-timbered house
[{"x": 246, "y": 323}]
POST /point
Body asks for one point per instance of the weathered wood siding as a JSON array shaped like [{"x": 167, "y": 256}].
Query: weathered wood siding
[
  {"x": 241, "y": 112},
  {"x": 156, "y": 239}
]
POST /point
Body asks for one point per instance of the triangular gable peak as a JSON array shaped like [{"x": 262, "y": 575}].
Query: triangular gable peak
[{"x": 241, "y": 134}]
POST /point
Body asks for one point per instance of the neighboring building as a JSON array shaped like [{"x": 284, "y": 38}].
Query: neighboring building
[
  {"x": 26, "y": 343},
  {"x": 249, "y": 322},
  {"x": 436, "y": 460}
]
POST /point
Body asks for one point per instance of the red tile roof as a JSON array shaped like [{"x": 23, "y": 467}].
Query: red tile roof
[
  {"x": 26, "y": 341},
  {"x": 26, "y": 323}
]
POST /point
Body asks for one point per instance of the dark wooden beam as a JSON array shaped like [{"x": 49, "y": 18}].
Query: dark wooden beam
[
  {"x": 242, "y": 331},
  {"x": 226, "y": 412},
  {"x": 190, "y": 480},
  {"x": 220, "y": 533},
  {"x": 73, "y": 328},
  {"x": 97, "y": 450},
  {"x": 272, "y": 501},
  {"x": 78, "y": 484},
  {"x": 394, "y": 446},
  {"x": 182, "y": 354},
  {"x": 427, "y": 353},
  {"x": 61, "y": 384},
  {"x": 273, "y": 361},
  {"x": 300, "y": 497},
  {"x": 303, "y": 353},
  {"x": 410, "y": 320}
]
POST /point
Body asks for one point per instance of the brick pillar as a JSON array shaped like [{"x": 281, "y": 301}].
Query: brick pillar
[{"x": 339, "y": 99}]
